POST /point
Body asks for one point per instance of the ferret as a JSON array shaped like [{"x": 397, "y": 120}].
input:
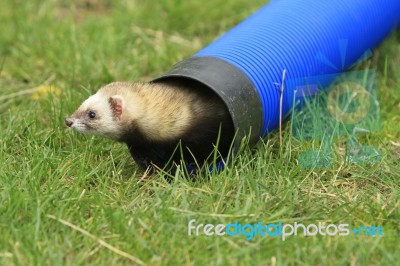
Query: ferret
[{"x": 163, "y": 124}]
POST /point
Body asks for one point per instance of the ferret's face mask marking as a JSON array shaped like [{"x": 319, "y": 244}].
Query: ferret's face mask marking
[{"x": 98, "y": 115}]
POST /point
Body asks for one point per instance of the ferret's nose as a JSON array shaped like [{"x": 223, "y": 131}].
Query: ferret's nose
[{"x": 69, "y": 122}]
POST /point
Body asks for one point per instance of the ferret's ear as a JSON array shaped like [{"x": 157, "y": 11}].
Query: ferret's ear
[{"x": 117, "y": 105}]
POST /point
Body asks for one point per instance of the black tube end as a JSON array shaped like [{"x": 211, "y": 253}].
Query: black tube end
[{"x": 234, "y": 88}]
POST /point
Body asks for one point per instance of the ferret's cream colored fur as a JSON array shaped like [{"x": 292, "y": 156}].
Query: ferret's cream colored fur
[{"x": 159, "y": 119}]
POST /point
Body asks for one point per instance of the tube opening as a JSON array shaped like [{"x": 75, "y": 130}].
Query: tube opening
[{"x": 218, "y": 120}]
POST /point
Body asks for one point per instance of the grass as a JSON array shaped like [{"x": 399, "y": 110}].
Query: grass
[{"x": 70, "y": 199}]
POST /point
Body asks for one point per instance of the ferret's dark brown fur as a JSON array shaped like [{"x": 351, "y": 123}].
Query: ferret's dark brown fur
[{"x": 160, "y": 122}]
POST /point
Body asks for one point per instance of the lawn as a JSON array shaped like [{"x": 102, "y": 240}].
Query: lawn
[{"x": 71, "y": 199}]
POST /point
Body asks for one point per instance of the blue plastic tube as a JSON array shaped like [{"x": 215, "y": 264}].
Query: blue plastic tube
[{"x": 307, "y": 38}]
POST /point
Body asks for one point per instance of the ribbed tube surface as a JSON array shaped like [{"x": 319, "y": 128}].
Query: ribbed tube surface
[{"x": 308, "y": 38}]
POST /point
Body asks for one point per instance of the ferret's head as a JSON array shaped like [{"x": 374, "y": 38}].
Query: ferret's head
[{"x": 100, "y": 114}]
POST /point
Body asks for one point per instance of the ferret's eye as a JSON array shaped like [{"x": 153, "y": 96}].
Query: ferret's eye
[{"x": 92, "y": 115}]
